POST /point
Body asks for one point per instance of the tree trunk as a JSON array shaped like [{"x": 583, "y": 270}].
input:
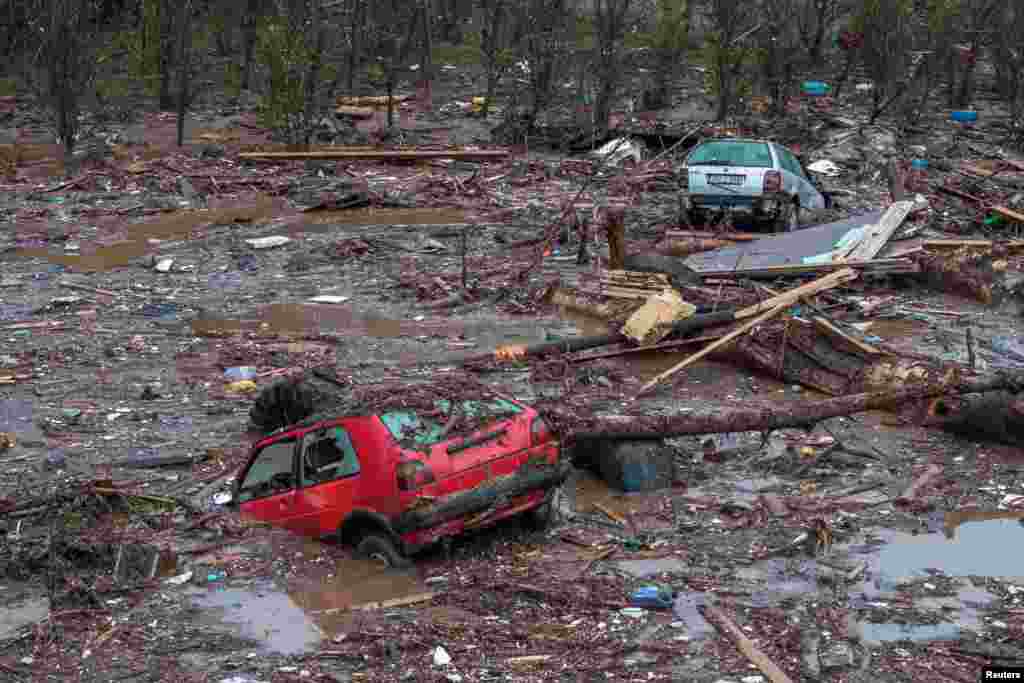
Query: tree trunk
[
  {"x": 615, "y": 225},
  {"x": 718, "y": 419},
  {"x": 183, "y": 65},
  {"x": 427, "y": 65}
]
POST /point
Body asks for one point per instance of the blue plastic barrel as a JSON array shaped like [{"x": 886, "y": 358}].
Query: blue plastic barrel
[
  {"x": 919, "y": 164},
  {"x": 816, "y": 88},
  {"x": 964, "y": 116}
]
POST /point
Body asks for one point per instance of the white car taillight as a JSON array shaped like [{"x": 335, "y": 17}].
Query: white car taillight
[
  {"x": 539, "y": 431},
  {"x": 772, "y": 181}
]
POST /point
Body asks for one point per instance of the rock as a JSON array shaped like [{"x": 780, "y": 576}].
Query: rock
[
  {"x": 809, "y": 660},
  {"x": 187, "y": 190},
  {"x": 838, "y": 655},
  {"x": 631, "y": 465}
]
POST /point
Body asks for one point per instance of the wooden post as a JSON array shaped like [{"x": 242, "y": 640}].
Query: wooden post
[{"x": 615, "y": 224}]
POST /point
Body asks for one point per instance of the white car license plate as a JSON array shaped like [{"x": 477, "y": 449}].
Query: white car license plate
[{"x": 726, "y": 179}]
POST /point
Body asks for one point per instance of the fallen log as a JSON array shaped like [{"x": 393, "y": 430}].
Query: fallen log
[
  {"x": 685, "y": 247},
  {"x": 744, "y": 644},
  {"x": 615, "y": 227},
  {"x": 708, "y": 418},
  {"x": 996, "y": 416},
  {"x": 379, "y": 155}
]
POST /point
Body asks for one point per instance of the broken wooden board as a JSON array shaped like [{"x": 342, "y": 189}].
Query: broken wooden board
[
  {"x": 378, "y": 155},
  {"x": 1009, "y": 214},
  {"x": 651, "y": 322},
  {"x": 794, "y": 295},
  {"x": 356, "y": 112},
  {"x": 376, "y": 101},
  {"x": 709, "y": 235},
  {"x": 878, "y": 235},
  {"x": 828, "y": 328},
  {"x": 979, "y": 244},
  {"x": 875, "y": 267}
]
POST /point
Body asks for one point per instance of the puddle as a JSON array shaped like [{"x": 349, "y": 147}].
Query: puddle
[
  {"x": 265, "y": 614},
  {"x": 328, "y": 602},
  {"x": 686, "y": 610},
  {"x": 14, "y": 617},
  {"x": 16, "y": 417},
  {"x": 644, "y": 568},
  {"x": 972, "y": 544},
  {"x": 963, "y": 609},
  {"x": 786, "y": 579},
  {"x": 296, "y": 620},
  {"x": 175, "y": 225},
  {"x": 592, "y": 491},
  {"x": 315, "y": 318}
]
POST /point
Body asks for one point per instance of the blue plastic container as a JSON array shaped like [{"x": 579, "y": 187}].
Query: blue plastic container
[
  {"x": 815, "y": 88},
  {"x": 919, "y": 164},
  {"x": 653, "y": 597},
  {"x": 963, "y": 116},
  {"x": 240, "y": 373}
]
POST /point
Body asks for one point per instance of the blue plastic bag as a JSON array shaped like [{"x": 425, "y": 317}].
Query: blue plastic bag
[{"x": 653, "y": 597}]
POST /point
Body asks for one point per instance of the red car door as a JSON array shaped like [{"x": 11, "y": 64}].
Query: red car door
[
  {"x": 267, "y": 488},
  {"x": 330, "y": 472}
]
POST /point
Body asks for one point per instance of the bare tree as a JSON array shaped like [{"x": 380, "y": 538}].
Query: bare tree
[
  {"x": 1009, "y": 62},
  {"x": 975, "y": 20},
  {"x": 610, "y": 19},
  {"x": 885, "y": 26},
  {"x": 66, "y": 64},
  {"x": 671, "y": 39},
  {"x": 812, "y": 20},
  {"x": 493, "y": 42},
  {"x": 728, "y": 50},
  {"x": 781, "y": 41},
  {"x": 543, "y": 29}
]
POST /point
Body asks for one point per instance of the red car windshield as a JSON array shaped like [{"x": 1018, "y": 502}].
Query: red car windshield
[{"x": 417, "y": 429}]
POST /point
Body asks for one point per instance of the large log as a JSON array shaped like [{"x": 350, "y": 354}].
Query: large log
[
  {"x": 708, "y": 418},
  {"x": 996, "y": 416}
]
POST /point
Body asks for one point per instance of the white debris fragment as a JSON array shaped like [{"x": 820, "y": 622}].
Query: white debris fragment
[
  {"x": 441, "y": 657},
  {"x": 268, "y": 242}
]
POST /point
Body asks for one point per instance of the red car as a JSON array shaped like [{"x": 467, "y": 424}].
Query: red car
[{"x": 395, "y": 481}]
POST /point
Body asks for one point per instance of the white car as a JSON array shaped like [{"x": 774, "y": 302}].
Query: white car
[{"x": 756, "y": 179}]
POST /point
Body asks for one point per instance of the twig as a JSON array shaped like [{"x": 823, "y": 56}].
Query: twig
[{"x": 970, "y": 348}]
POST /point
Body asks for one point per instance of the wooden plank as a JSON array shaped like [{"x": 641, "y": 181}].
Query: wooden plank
[
  {"x": 982, "y": 244},
  {"x": 1009, "y": 214},
  {"x": 829, "y": 329},
  {"x": 356, "y": 112},
  {"x": 378, "y": 155},
  {"x": 784, "y": 301},
  {"x": 768, "y": 272},
  {"x": 707, "y": 234},
  {"x": 396, "y": 602},
  {"x": 745, "y": 645},
  {"x": 878, "y": 235},
  {"x": 792, "y": 296},
  {"x": 976, "y": 170}
]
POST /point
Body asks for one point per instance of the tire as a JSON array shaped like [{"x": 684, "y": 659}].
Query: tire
[
  {"x": 282, "y": 404},
  {"x": 378, "y": 547},
  {"x": 788, "y": 219},
  {"x": 540, "y": 517}
]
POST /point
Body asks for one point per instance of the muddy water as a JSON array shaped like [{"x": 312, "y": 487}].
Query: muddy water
[
  {"x": 296, "y": 620},
  {"x": 176, "y": 225},
  {"x": 592, "y": 493}
]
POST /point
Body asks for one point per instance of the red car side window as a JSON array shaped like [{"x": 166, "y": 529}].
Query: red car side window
[
  {"x": 328, "y": 455},
  {"x": 272, "y": 472}
]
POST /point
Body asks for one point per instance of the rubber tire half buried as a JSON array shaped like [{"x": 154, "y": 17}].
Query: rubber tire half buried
[
  {"x": 377, "y": 547},
  {"x": 281, "y": 404},
  {"x": 540, "y": 517},
  {"x": 788, "y": 219}
]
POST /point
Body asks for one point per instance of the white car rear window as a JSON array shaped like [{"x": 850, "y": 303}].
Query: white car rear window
[{"x": 731, "y": 153}]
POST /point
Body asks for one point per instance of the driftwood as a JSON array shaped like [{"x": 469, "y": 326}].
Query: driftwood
[
  {"x": 759, "y": 659},
  {"x": 708, "y": 418},
  {"x": 966, "y": 271}
]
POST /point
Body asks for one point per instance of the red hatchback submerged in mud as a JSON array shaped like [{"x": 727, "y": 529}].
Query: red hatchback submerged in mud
[{"x": 396, "y": 479}]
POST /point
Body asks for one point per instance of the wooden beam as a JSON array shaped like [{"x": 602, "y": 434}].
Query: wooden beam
[
  {"x": 1009, "y": 214},
  {"x": 769, "y": 272},
  {"x": 378, "y": 155},
  {"x": 982, "y": 244},
  {"x": 879, "y": 234},
  {"x": 792, "y": 296},
  {"x": 745, "y": 645},
  {"x": 778, "y": 303},
  {"x": 829, "y": 329}
]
